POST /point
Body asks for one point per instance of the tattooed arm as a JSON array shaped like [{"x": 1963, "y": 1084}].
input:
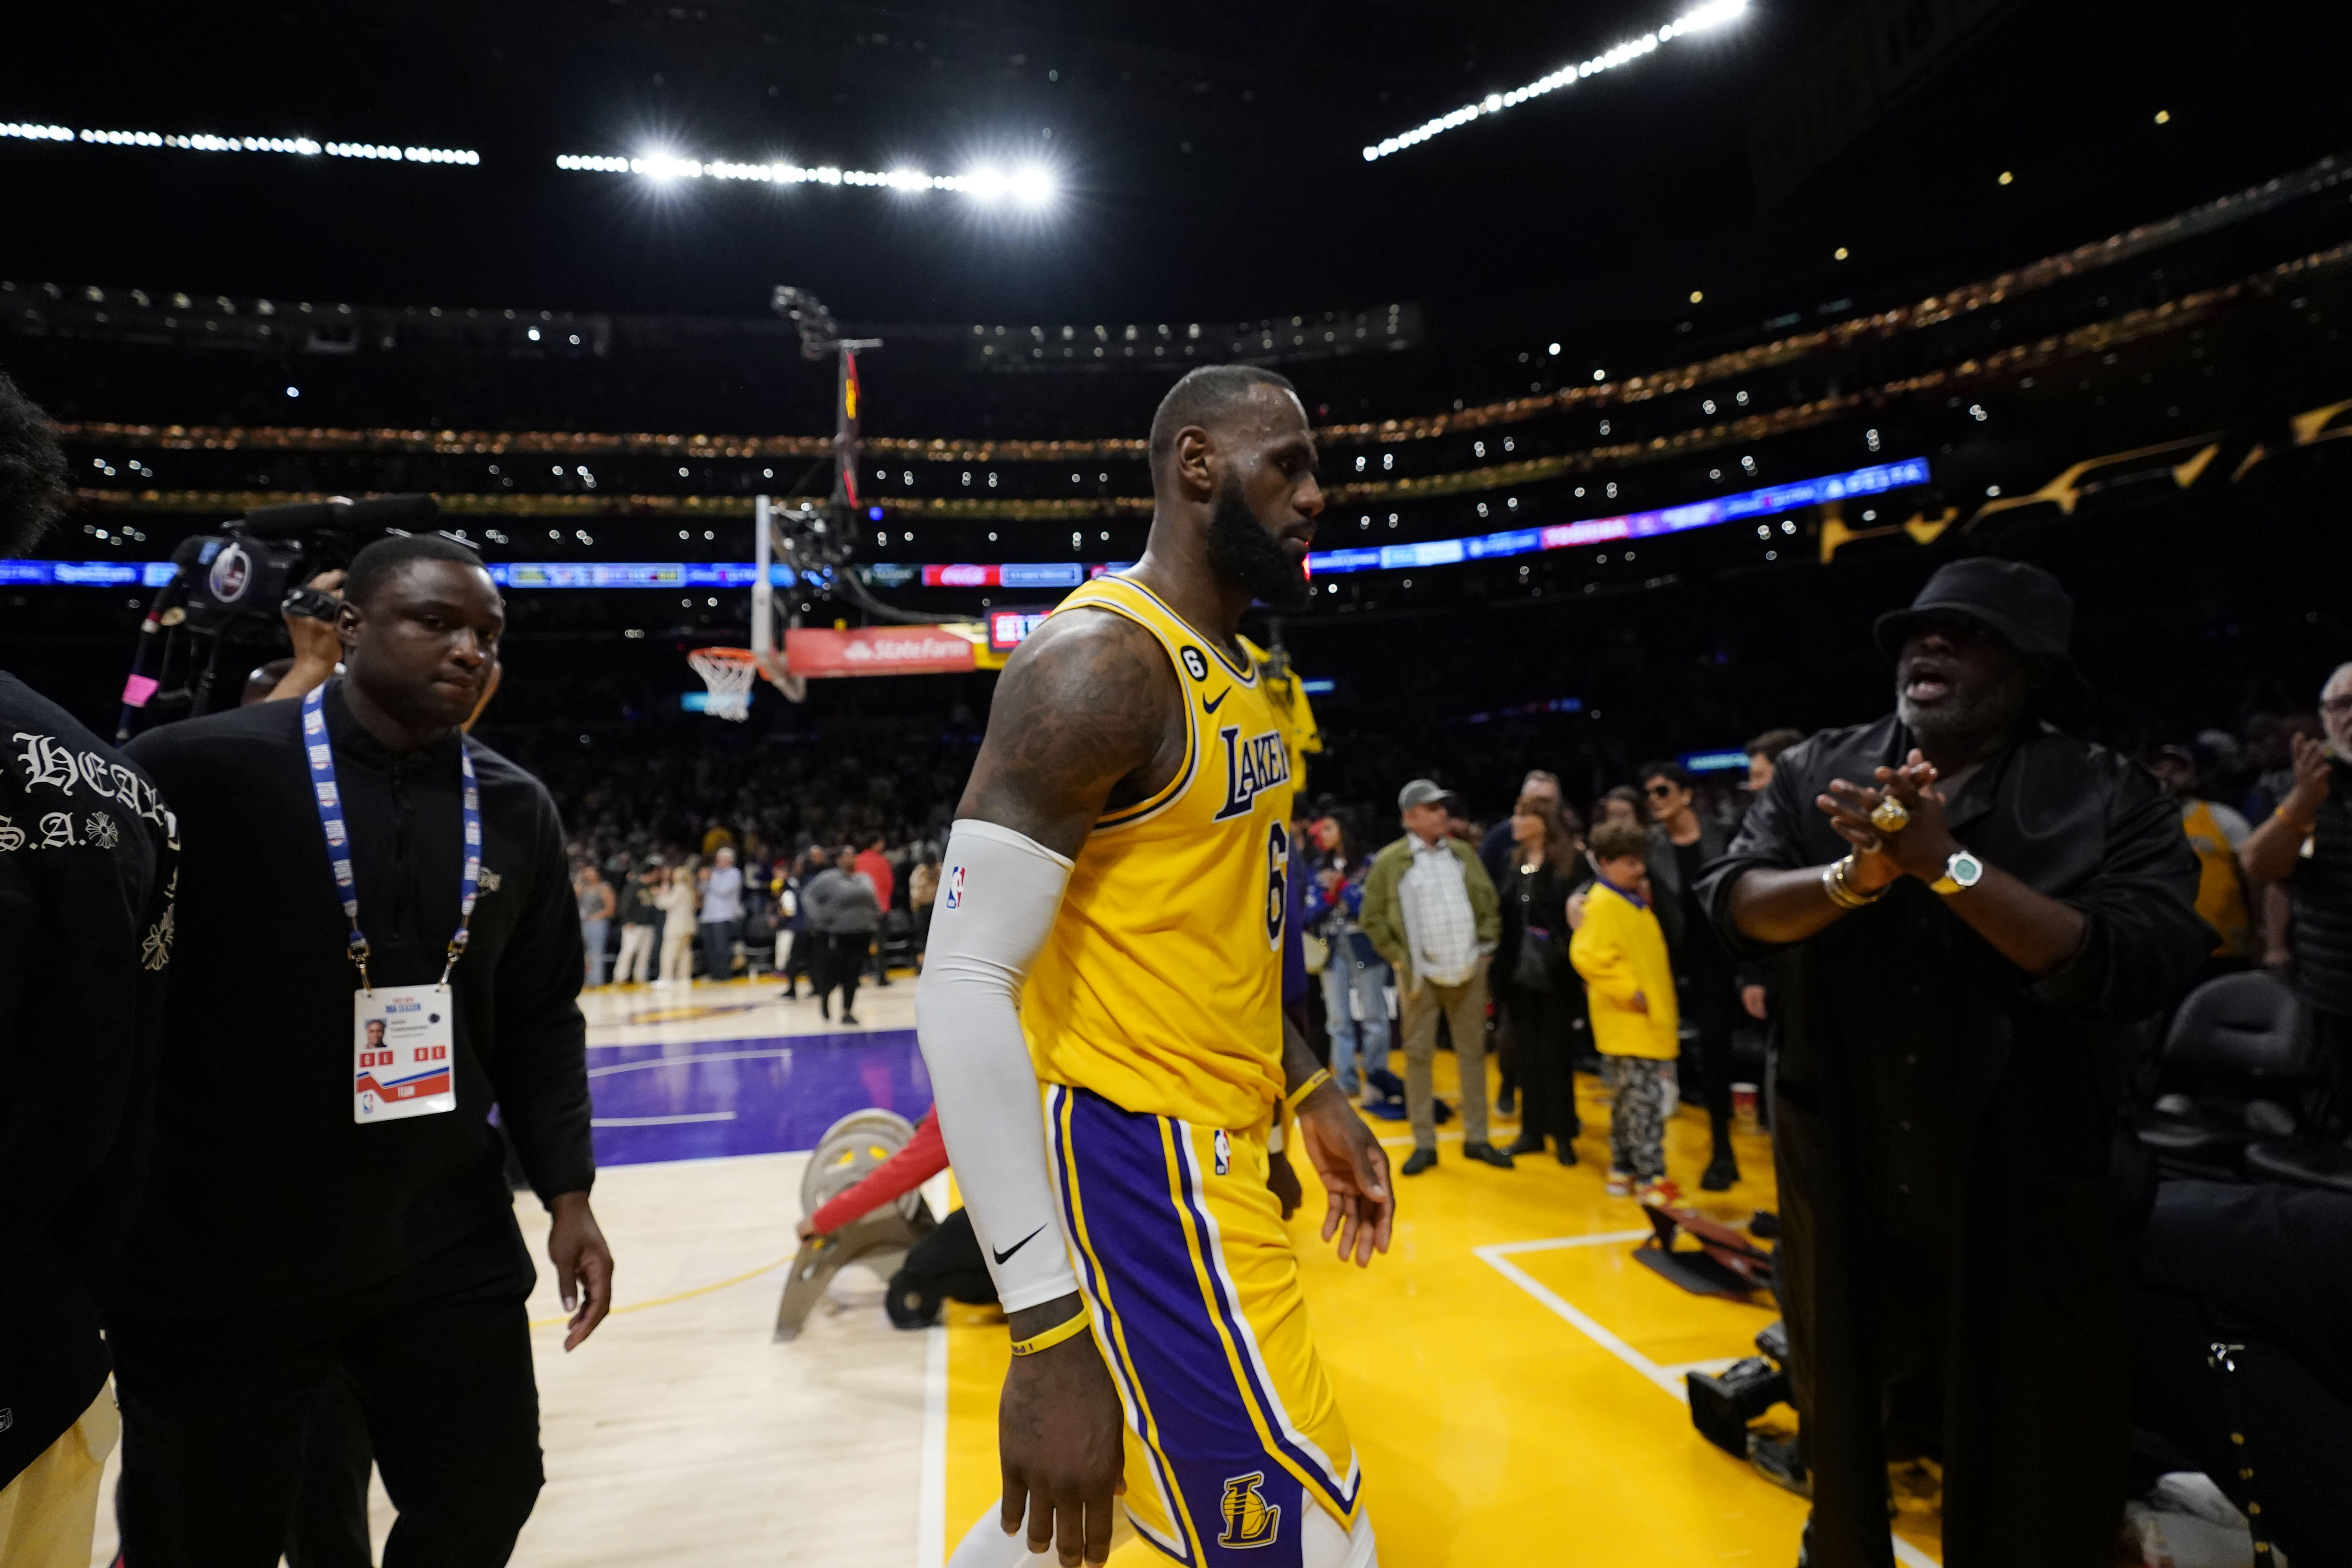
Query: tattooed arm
[
  {"x": 1088, "y": 714},
  {"x": 1087, "y": 717}
]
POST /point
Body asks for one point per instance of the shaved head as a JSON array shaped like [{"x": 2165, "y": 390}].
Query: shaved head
[{"x": 1204, "y": 398}]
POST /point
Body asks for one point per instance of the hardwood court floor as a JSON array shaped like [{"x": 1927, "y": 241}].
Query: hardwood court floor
[
  {"x": 1510, "y": 1374},
  {"x": 1512, "y": 1377}
]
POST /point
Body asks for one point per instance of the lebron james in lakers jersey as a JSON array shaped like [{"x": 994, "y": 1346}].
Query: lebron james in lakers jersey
[{"x": 1101, "y": 1014}]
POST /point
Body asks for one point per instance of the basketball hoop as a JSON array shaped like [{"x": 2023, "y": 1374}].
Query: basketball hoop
[{"x": 729, "y": 672}]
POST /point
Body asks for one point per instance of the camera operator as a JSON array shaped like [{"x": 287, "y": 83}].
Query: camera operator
[
  {"x": 318, "y": 647},
  {"x": 85, "y": 857},
  {"x": 329, "y": 1193}
]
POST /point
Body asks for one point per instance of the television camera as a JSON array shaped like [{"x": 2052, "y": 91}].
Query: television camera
[{"x": 232, "y": 590}]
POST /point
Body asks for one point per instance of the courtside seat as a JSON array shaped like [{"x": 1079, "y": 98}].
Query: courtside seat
[
  {"x": 2303, "y": 1163},
  {"x": 2239, "y": 1050}
]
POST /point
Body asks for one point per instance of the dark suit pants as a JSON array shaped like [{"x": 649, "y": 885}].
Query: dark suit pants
[{"x": 215, "y": 1407}]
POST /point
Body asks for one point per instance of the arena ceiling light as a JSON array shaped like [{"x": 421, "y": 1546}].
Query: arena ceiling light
[
  {"x": 205, "y": 141},
  {"x": 1027, "y": 184},
  {"x": 1714, "y": 13}
]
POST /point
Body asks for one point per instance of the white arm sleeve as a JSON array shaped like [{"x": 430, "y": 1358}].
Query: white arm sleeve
[{"x": 998, "y": 892}]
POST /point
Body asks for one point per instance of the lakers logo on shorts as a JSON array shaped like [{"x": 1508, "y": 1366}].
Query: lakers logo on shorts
[{"x": 1250, "y": 1520}]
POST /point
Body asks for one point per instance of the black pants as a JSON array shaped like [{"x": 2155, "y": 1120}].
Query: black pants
[
  {"x": 215, "y": 1407},
  {"x": 1708, "y": 999},
  {"x": 801, "y": 964},
  {"x": 839, "y": 963},
  {"x": 330, "y": 1527},
  {"x": 718, "y": 948},
  {"x": 2267, "y": 1269},
  {"x": 1547, "y": 1078}
]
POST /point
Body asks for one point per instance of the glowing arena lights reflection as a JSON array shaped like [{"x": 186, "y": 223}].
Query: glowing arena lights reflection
[
  {"x": 1028, "y": 184},
  {"x": 205, "y": 141},
  {"x": 1714, "y": 13}
]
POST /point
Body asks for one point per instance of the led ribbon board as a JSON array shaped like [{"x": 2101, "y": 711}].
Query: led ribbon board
[{"x": 1874, "y": 480}]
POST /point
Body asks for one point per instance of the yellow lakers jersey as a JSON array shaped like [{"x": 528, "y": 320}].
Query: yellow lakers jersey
[{"x": 1160, "y": 988}]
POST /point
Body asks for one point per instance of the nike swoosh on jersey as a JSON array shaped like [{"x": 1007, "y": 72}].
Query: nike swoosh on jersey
[
  {"x": 1008, "y": 1252},
  {"x": 1208, "y": 707}
]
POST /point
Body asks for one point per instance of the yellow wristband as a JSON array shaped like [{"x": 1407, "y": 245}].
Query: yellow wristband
[
  {"x": 1314, "y": 1080},
  {"x": 1068, "y": 1330}
]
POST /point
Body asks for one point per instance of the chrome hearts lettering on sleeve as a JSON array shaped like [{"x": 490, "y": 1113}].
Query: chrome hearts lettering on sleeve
[
  {"x": 57, "y": 830},
  {"x": 48, "y": 764}
]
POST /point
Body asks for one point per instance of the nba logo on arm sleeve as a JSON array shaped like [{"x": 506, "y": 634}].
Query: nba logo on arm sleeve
[{"x": 954, "y": 898}]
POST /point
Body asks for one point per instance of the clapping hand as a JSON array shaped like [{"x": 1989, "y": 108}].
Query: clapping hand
[{"x": 1918, "y": 849}]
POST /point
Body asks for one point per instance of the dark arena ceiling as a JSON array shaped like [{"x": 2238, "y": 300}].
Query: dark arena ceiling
[
  {"x": 1209, "y": 156},
  {"x": 2079, "y": 271}
]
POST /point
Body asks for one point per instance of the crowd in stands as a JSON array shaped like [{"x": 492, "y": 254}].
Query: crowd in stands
[{"x": 819, "y": 863}]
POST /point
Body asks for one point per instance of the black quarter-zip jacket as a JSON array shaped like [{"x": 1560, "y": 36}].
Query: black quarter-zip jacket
[{"x": 265, "y": 1190}]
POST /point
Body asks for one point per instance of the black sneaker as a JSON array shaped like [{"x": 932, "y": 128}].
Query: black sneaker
[
  {"x": 1486, "y": 1153},
  {"x": 1417, "y": 1162},
  {"x": 1720, "y": 1174},
  {"x": 1527, "y": 1144},
  {"x": 849, "y": 1018},
  {"x": 1567, "y": 1151}
]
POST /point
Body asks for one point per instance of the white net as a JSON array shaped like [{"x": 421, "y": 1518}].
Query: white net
[{"x": 729, "y": 673}]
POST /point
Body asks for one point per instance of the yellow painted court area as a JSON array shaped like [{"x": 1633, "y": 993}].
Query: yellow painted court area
[{"x": 1493, "y": 1429}]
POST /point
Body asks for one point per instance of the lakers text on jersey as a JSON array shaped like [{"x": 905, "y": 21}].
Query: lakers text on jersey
[{"x": 1160, "y": 988}]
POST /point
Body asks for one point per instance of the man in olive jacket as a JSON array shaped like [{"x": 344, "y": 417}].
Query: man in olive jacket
[
  {"x": 1972, "y": 911},
  {"x": 1430, "y": 910}
]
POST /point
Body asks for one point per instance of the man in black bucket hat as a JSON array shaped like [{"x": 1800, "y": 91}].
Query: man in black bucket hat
[{"x": 1969, "y": 911}]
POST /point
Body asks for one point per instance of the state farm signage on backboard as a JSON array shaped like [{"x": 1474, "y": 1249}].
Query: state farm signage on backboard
[{"x": 813, "y": 652}]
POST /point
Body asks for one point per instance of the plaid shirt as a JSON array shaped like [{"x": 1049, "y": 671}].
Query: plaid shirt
[{"x": 1438, "y": 920}]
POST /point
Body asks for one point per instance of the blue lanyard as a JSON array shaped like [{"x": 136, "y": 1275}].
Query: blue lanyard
[{"x": 321, "y": 754}]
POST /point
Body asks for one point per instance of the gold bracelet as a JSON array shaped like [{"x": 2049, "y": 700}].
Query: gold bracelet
[
  {"x": 1833, "y": 883},
  {"x": 1068, "y": 1330},
  {"x": 1314, "y": 1080}
]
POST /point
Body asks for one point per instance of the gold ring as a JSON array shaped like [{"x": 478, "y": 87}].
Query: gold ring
[{"x": 1888, "y": 815}]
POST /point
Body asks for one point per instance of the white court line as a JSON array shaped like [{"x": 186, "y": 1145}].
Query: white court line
[
  {"x": 683, "y": 1061},
  {"x": 661, "y": 1121},
  {"x": 932, "y": 1526},
  {"x": 1498, "y": 1258},
  {"x": 1667, "y": 1378}
]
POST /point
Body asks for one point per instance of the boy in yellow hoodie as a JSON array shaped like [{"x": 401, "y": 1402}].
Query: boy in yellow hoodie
[{"x": 1621, "y": 951}]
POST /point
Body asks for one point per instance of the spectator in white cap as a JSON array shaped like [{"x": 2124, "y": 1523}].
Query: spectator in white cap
[{"x": 1430, "y": 909}]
